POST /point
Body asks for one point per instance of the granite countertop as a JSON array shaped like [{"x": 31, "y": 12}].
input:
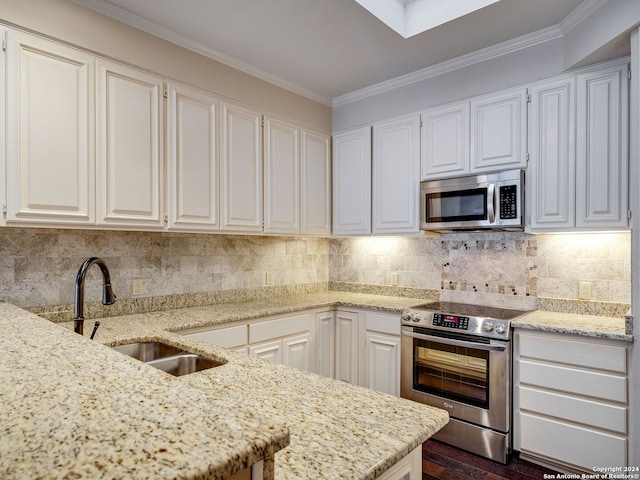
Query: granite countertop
[
  {"x": 575, "y": 324},
  {"x": 73, "y": 408}
]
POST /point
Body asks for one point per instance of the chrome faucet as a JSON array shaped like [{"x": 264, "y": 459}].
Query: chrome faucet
[{"x": 108, "y": 297}]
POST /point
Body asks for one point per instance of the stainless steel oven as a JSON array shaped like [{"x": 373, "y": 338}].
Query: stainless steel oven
[{"x": 458, "y": 357}]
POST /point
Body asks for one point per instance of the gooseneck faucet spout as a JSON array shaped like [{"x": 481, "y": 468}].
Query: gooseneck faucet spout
[{"x": 108, "y": 297}]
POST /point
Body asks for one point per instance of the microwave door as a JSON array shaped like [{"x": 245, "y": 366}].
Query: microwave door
[{"x": 468, "y": 207}]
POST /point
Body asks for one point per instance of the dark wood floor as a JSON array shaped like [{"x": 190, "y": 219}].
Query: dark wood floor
[{"x": 442, "y": 462}]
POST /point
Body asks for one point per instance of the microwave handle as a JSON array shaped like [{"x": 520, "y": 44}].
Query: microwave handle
[{"x": 491, "y": 202}]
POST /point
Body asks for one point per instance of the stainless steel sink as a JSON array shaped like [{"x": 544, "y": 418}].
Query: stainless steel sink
[{"x": 170, "y": 359}]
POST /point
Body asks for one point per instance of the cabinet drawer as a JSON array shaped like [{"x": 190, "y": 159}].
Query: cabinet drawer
[
  {"x": 583, "y": 353},
  {"x": 572, "y": 409},
  {"x": 229, "y": 337},
  {"x": 281, "y": 327},
  {"x": 570, "y": 444},
  {"x": 383, "y": 323},
  {"x": 574, "y": 381}
]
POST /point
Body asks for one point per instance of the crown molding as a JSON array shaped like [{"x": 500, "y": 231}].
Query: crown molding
[
  {"x": 577, "y": 16},
  {"x": 164, "y": 33},
  {"x": 488, "y": 53}
]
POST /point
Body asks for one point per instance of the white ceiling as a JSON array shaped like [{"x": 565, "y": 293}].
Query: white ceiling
[{"x": 328, "y": 48}]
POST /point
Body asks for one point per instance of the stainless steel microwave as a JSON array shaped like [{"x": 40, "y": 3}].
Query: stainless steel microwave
[{"x": 492, "y": 201}]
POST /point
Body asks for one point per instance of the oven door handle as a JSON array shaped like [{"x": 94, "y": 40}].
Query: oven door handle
[{"x": 491, "y": 347}]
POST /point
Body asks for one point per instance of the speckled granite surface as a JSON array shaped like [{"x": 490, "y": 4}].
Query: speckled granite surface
[
  {"x": 574, "y": 324},
  {"x": 79, "y": 408}
]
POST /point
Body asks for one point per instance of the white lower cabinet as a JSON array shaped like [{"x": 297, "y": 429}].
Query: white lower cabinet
[
  {"x": 234, "y": 338},
  {"x": 361, "y": 347},
  {"x": 570, "y": 400},
  {"x": 284, "y": 340},
  {"x": 408, "y": 468}
]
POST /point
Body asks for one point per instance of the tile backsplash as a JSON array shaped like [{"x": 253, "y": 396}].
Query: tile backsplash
[
  {"x": 510, "y": 269},
  {"x": 38, "y": 266}
]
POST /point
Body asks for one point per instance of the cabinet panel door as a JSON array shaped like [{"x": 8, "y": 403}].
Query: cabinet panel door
[
  {"x": 193, "y": 159},
  {"x": 325, "y": 346},
  {"x": 296, "y": 352},
  {"x": 498, "y": 131},
  {"x": 129, "y": 146},
  {"x": 571, "y": 444},
  {"x": 601, "y": 148},
  {"x": 315, "y": 184},
  {"x": 50, "y": 132},
  {"x": 383, "y": 363},
  {"x": 551, "y": 172},
  {"x": 396, "y": 176},
  {"x": 228, "y": 337},
  {"x": 281, "y": 177},
  {"x": 352, "y": 182},
  {"x": 271, "y": 351},
  {"x": 240, "y": 169},
  {"x": 445, "y": 141},
  {"x": 347, "y": 347}
]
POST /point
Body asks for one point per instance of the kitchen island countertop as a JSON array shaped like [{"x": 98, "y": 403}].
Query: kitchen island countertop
[{"x": 75, "y": 408}]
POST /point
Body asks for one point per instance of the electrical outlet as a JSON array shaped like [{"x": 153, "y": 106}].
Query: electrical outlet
[
  {"x": 268, "y": 278},
  {"x": 393, "y": 278},
  {"x": 584, "y": 291},
  {"x": 138, "y": 287}
]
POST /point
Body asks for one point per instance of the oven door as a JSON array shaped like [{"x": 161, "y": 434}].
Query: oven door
[{"x": 471, "y": 379}]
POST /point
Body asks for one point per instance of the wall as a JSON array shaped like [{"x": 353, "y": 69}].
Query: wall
[
  {"x": 62, "y": 19},
  {"x": 500, "y": 269},
  {"x": 38, "y": 267}
]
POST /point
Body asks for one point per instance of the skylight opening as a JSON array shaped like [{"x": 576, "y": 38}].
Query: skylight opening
[{"x": 411, "y": 17}]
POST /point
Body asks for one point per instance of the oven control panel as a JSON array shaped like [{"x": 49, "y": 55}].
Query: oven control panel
[{"x": 450, "y": 321}]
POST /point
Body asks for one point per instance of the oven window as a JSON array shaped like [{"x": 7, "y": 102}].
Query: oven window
[
  {"x": 457, "y": 373},
  {"x": 457, "y": 206}
]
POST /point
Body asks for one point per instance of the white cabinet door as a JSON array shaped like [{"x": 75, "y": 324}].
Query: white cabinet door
[
  {"x": 325, "y": 344},
  {"x": 296, "y": 352},
  {"x": 240, "y": 169},
  {"x": 192, "y": 159},
  {"x": 271, "y": 351},
  {"x": 383, "y": 363},
  {"x": 281, "y": 177},
  {"x": 498, "y": 131},
  {"x": 551, "y": 172},
  {"x": 445, "y": 141},
  {"x": 396, "y": 176},
  {"x": 347, "y": 326},
  {"x": 228, "y": 337},
  {"x": 601, "y": 149},
  {"x": 352, "y": 182},
  {"x": 315, "y": 184},
  {"x": 50, "y": 132},
  {"x": 129, "y": 146}
]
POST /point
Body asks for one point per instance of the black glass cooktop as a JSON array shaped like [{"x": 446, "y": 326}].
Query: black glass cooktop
[{"x": 469, "y": 310}]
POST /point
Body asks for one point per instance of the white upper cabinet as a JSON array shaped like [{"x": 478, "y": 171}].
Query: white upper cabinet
[
  {"x": 129, "y": 146},
  {"x": 551, "y": 172},
  {"x": 50, "y": 160},
  {"x": 578, "y": 172},
  {"x": 396, "y": 176},
  {"x": 601, "y": 149},
  {"x": 192, "y": 156},
  {"x": 445, "y": 141},
  {"x": 315, "y": 183},
  {"x": 281, "y": 177},
  {"x": 498, "y": 131},
  {"x": 352, "y": 182},
  {"x": 481, "y": 134},
  {"x": 240, "y": 169}
]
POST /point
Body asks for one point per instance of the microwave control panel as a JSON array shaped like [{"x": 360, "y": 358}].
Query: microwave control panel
[{"x": 508, "y": 202}]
